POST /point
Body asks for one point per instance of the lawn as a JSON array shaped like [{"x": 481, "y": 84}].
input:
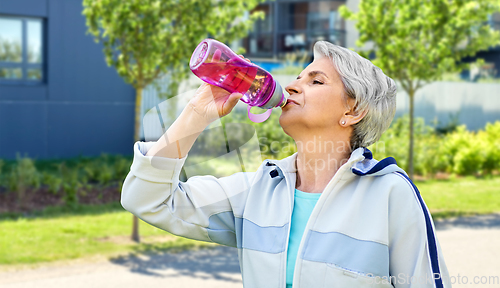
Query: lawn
[
  {"x": 104, "y": 230},
  {"x": 462, "y": 196},
  {"x": 62, "y": 237}
]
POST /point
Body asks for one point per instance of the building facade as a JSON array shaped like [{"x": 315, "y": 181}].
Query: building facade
[
  {"x": 295, "y": 25},
  {"x": 58, "y": 98},
  {"x": 291, "y": 26}
]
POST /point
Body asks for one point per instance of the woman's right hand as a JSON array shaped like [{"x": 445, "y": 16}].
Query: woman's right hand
[{"x": 212, "y": 102}]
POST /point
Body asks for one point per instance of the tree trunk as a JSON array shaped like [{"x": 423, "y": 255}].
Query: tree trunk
[
  {"x": 138, "y": 107},
  {"x": 137, "y": 137},
  {"x": 410, "y": 152},
  {"x": 135, "y": 229}
]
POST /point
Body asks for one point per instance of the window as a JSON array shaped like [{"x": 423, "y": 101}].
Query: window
[
  {"x": 302, "y": 23},
  {"x": 317, "y": 15},
  {"x": 260, "y": 39},
  {"x": 21, "y": 53},
  {"x": 295, "y": 25}
]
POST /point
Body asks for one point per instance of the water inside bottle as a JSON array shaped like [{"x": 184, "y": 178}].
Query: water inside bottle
[{"x": 237, "y": 76}]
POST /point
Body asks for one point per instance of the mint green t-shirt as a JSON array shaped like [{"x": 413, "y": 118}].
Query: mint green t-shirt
[{"x": 303, "y": 205}]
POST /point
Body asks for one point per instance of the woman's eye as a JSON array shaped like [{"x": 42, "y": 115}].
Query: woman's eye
[{"x": 317, "y": 82}]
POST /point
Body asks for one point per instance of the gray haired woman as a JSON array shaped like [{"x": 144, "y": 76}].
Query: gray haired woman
[{"x": 328, "y": 216}]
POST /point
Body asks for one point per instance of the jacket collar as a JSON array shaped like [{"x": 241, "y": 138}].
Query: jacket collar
[{"x": 287, "y": 164}]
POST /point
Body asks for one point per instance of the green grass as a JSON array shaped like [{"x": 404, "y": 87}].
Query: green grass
[
  {"x": 461, "y": 196},
  {"x": 55, "y": 237}
]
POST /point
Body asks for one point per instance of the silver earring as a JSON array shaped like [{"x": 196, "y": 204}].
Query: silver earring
[{"x": 343, "y": 122}]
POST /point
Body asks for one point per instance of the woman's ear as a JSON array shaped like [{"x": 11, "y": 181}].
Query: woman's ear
[{"x": 352, "y": 117}]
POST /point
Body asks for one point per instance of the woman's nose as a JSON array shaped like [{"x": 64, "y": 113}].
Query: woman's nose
[{"x": 293, "y": 88}]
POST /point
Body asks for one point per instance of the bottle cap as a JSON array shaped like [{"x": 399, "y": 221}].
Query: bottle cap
[{"x": 277, "y": 99}]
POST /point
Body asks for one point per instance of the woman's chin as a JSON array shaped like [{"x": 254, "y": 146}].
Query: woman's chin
[{"x": 288, "y": 119}]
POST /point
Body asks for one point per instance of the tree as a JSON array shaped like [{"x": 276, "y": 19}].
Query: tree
[
  {"x": 416, "y": 42},
  {"x": 143, "y": 39}
]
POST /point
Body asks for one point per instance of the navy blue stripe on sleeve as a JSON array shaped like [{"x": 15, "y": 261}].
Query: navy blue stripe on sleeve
[{"x": 433, "y": 253}]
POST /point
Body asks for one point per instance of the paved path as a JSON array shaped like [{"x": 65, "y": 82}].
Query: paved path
[{"x": 471, "y": 247}]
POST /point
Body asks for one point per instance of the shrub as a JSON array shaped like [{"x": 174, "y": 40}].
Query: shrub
[
  {"x": 23, "y": 175},
  {"x": 105, "y": 169},
  {"x": 52, "y": 181},
  {"x": 71, "y": 184},
  {"x": 459, "y": 151},
  {"x": 491, "y": 138},
  {"x": 395, "y": 143},
  {"x": 121, "y": 168}
]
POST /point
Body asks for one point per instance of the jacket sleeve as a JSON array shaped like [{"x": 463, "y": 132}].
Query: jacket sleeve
[
  {"x": 415, "y": 256},
  {"x": 202, "y": 208}
]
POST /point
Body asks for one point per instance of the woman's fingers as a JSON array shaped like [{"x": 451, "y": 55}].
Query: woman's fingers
[
  {"x": 248, "y": 60},
  {"x": 216, "y": 56},
  {"x": 229, "y": 104}
]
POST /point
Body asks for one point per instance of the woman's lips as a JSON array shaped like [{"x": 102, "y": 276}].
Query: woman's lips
[{"x": 291, "y": 101}]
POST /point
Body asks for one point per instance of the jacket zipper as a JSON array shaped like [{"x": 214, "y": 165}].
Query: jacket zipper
[{"x": 290, "y": 203}]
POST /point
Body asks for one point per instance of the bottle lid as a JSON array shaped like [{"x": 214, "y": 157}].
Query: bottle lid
[{"x": 277, "y": 99}]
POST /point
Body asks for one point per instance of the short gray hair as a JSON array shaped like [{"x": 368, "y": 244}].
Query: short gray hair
[{"x": 371, "y": 89}]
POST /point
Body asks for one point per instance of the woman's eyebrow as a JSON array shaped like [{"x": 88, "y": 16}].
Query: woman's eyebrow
[{"x": 314, "y": 73}]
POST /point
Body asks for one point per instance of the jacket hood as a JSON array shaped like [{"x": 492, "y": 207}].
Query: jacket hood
[
  {"x": 371, "y": 167},
  {"x": 361, "y": 162}
]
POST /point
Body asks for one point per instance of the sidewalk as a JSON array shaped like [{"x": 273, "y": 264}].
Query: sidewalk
[
  {"x": 471, "y": 247},
  {"x": 215, "y": 268}
]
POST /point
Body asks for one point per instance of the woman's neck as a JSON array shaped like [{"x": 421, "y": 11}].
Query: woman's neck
[{"x": 318, "y": 161}]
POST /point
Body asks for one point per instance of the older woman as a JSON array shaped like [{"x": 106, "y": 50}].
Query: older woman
[{"x": 328, "y": 216}]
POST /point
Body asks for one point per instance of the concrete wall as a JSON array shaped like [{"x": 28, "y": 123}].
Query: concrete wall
[
  {"x": 83, "y": 107},
  {"x": 475, "y": 103}
]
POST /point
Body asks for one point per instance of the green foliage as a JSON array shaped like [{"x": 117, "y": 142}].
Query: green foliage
[
  {"x": 104, "y": 170},
  {"x": 144, "y": 38},
  {"x": 53, "y": 182},
  {"x": 71, "y": 184},
  {"x": 99, "y": 172},
  {"x": 491, "y": 136},
  {"x": 472, "y": 153},
  {"x": 416, "y": 42},
  {"x": 72, "y": 177},
  {"x": 273, "y": 141},
  {"x": 394, "y": 143},
  {"x": 22, "y": 176},
  {"x": 459, "y": 152}
]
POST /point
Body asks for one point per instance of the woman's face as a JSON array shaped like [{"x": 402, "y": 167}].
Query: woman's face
[{"x": 319, "y": 107}]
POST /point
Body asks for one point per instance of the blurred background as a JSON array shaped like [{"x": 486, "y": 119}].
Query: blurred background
[{"x": 77, "y": 82}]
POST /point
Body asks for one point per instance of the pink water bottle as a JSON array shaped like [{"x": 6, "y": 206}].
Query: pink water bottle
[{"x": 216, "y": 64}]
